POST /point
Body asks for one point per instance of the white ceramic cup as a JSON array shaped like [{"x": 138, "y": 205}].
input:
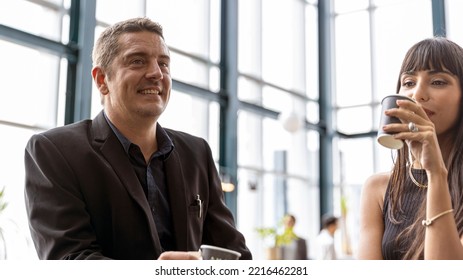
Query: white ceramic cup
[{"x": 209, "y": 252}]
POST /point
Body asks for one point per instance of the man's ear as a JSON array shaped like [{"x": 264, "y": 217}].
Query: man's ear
[{"x": 99, "y": 77}]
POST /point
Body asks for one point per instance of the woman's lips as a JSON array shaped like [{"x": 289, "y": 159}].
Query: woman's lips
[{"x": 429, "y": 112}]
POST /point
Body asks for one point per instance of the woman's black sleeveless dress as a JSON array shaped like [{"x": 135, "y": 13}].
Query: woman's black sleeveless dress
[{"x": 413, "y": 196}]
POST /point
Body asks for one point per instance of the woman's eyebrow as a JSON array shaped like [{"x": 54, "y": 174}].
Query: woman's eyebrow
[
  {"x": 409, "y": 72},
  {"x": 430, "y": 72},
  {"x": 440, "y": 72}
]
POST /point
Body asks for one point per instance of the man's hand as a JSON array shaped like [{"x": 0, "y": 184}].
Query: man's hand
[{"x": 176, "y": 255}]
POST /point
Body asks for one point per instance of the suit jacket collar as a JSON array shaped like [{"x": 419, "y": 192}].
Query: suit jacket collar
[
  {"x": 177, "y": 188},
  {"x": 106, "y": 141}
]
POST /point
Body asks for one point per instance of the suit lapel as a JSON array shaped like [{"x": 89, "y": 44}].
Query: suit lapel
[
  {"x": 112, "y": 150},
  {"x": 178, "y": 199}
]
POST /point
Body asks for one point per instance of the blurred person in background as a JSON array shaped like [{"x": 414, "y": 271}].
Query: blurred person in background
[
  {"x": 295, "y": 247},
  {"x": 325, "y": 248}
]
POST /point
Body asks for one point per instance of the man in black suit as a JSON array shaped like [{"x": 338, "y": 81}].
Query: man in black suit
[{"x": 121, "y": 186}]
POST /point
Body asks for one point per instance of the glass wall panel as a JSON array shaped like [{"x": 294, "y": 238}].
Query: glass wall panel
[
  {"x": 353, "y": 166},
  {"x": 383, "y": 3},
  {"x": 112, "y": 11},
  {"x": 313, "y": 112},
  {"x": 278, "y": 174},
  {"x": 303, "y": 202},
  {"x": 353, "y": 120},
  {"x": 278, "y": 169},
  {"x": 197, "y": 42},
  {"x": 454, "y": 27},
  {"x": 193, "y": 115},
  {"x": 342, "y": 6},
  {"x": 32, "y": 99},
  {"x": 293, "y": 145},
  {"x": 357, "y": 159},
  {"x": 268, "y": 194},
  {"x": 276, "y": 99},
  {"x": 353, "y": 62},
  {"x": 30, "y": 93},
  {"x": 249, "y": 90},
  {"x": 194, "y": 32},
  {"x": 38, "y": 19},
  {"x": 190, "y": 70},
  {"x": 250, "y": 37},
  {"x": 346, "y": 237},
  {"x": 96, "y": 102},
  {"x": 250, "y": 140},
  {"x": 384, "y": 158},
  {"x": 311, "y": 53},
  {"x": 13, "y": 220},
  {"x": 393, "y": 38},
  {"x": 313, "y": 148},
  {"x": 57, "y": 2},
  {"x": 282, "y": 43},
  {"x": 249, "y": 215}
]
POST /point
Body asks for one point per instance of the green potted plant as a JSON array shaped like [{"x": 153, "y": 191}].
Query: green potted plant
[{"x": 277, "y": 237}]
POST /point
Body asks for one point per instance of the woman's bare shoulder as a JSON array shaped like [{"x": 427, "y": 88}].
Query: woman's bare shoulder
[
  {"x": 378, "y": 179},
  {"x": 375, "y": 185}
]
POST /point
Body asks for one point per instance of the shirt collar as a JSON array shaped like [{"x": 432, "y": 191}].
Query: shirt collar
[{"x": 165, "y": 144}]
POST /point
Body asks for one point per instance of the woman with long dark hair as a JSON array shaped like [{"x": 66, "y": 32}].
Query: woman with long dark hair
[{"x": 415, "y": 211}]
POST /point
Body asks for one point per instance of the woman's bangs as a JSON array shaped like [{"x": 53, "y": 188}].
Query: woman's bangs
[{"x": 424, "y": 59}]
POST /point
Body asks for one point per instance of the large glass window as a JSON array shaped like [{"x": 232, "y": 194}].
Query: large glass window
[
  {"x": 392, "y": 39},
  {"x": 47, "y": 19},
  {"x": 278, "y": 174},
  {"x": 32, "y": 100},
  {"x": 32, "y": 72},
  {"x": 196, "y": 40},
  {"x": 278, "y": 169},
  {"x": 13, "y": 220},
  {"x": 193, "y": 115},
  {"x": 454, "y": 28}
]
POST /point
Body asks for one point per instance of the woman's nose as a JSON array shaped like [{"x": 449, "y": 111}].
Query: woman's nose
[{"x": 420, "y": 93}]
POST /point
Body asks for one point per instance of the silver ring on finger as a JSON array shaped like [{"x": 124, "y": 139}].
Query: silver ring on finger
[{"x": 412, "y": 127}]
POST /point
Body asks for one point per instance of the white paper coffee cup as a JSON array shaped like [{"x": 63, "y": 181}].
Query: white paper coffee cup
[
  {"x": 385, "y": 139},
  {"x": 209, "y": 252}
]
